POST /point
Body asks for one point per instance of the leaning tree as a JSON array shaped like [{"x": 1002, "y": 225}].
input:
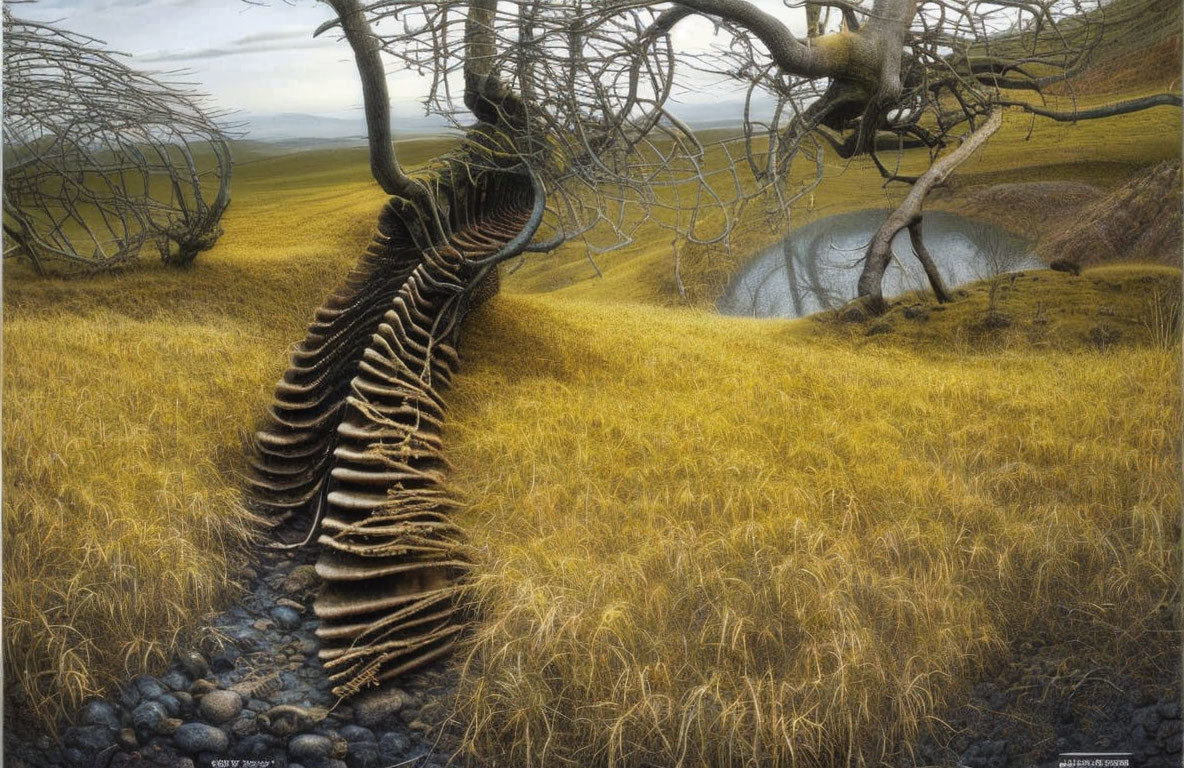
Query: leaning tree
[
  {"x": 101, "y": 160},
  {"x": 569, "y": 132}
]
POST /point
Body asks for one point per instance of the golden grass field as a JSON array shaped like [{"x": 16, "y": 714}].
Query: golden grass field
[
  {"x": 736, "y": 542},
  {"x": 703, "y": 539}
]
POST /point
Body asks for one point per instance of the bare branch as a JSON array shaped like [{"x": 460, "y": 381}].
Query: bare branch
[
  {"x": 1107, "y": 110},
  {"x": 101, "y": 160},
  {"x": 879, "y": 251},
  {"x": 383, "y": 162}
]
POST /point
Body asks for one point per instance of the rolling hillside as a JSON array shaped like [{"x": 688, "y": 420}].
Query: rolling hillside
[{"x": 702, "y": 540}]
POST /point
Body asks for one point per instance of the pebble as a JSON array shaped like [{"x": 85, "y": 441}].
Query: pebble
[
  {"x": 285, "y": 617},
  {"x": 148, "y": 716},
  {"x": 150, "y": 687},
  {"x": 244, "y": 726},
  {"x": 221, "y": 706},
  {"x": 90, "y": 738},
  {"x": 169, "y": 726},
  {"x": 127, "y": 738},
  {"x": 283, "y": 720},
  {"x": 357, "y": 733},
  {"x": 245, "y": 636},
  {"x": 171, "y": 704},
  {"x": 310, "y": 747},
  {"x": 100, "y": 713},
  {"x": 199, "y": 737},
  {"x": 256, "y": 745},
  {"x": 129, "y": 697},
  {"x": 202, "y": 687},
  {"x": 194, "y": 664},
  {"x": 364, "y": 754},
  {"x": 372, "y": 707},
  {"x": 225, "y": 659},
  {"x": 393, "y": 743},
  {"x": 185, "y": 700},
  {"x": 302, "y": 579}
]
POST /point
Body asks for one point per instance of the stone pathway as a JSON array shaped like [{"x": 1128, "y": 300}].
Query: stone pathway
[{"x": 253, "y": 696}]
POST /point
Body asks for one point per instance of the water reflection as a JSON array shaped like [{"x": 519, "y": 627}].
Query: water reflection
[{"x": 816, "y": 267}]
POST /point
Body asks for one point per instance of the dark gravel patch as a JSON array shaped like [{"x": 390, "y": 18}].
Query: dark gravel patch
[
  {"x": 252, "y": 695},
  {"x": 1043, "y": 704}
]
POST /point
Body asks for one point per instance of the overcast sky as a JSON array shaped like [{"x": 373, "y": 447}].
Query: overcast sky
[{"x": 263, "y": 59}]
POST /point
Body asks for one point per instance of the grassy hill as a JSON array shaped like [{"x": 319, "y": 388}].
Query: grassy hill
[
  {"x": 128, "y": 402},
  {"x": 703, "y": 539},
  {"x": 712, "y": 541}
]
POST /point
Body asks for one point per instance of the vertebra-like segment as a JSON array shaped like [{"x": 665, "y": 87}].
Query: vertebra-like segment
[{"x": 354, "y": 448}]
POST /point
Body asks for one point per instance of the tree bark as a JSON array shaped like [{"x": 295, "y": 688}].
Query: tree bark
[
  {"x": 814, "y": 21},
  {"x": 486, "y": 96},
  {"x": 887, "y": 28},
  {"x": 879, "y": 251}
]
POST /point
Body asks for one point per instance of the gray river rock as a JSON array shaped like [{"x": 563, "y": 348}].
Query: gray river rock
[{"x": 816, "y": 267}]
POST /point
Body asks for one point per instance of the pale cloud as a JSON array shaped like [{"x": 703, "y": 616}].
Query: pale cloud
[
  {"x": 263, "y": 58},
  {"x": 236, "y": 48}
]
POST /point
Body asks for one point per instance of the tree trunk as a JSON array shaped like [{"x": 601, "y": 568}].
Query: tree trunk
[
  {"x": 814, "y": 20},
  {"x": 879, "y": 251},
  {"x": 366, "y": 47},
  {"x": 935, "y": 281}
]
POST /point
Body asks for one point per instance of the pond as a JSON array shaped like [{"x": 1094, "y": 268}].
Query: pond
[{"x": 817, "y": 266}]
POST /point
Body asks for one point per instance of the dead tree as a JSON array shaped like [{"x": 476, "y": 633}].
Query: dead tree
[
  {"x": 909, "y": 74},
  {"x": 101, "y": 160},
  {"x": 569, "y": 132}
]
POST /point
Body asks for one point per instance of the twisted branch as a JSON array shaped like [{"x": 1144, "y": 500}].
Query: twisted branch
[{"x": 101, "y": 160}]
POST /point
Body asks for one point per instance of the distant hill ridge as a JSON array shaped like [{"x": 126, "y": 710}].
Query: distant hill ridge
[{"x": 288, "y": 126}]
